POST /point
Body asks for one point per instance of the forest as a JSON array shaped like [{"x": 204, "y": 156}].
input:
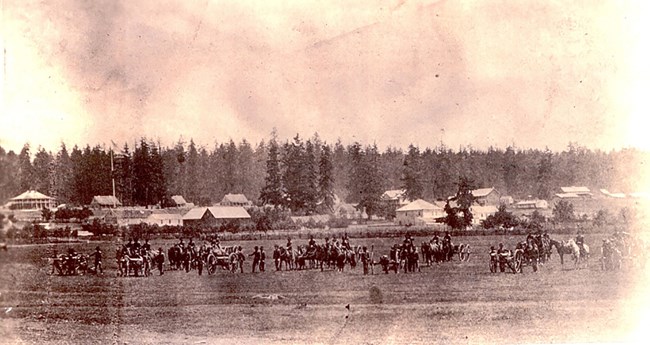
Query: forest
[{"x": 306, "y": 175}]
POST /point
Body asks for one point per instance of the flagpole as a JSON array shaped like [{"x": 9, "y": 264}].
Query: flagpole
[{"x": 113, "y": 178}]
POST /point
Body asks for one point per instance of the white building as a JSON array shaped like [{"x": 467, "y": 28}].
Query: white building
[{"x": 419, "y": 212}]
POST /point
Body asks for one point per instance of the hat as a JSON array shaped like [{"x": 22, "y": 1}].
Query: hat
[{"x": 97, "y": 248}]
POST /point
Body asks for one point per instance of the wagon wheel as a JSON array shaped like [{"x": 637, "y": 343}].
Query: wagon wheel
[
  {"x": 212, "y": 264},
  {"x": 518, "y": 261},
  {"x": 493, "y": 265}
]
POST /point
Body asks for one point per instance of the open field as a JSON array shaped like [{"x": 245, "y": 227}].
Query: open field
[{"x": 447, "y": 303}]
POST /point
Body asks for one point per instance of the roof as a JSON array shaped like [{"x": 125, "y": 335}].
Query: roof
[
  {"x": 229, "y": 212},
  {"x": 235, "y": 198},
  {"x": 613, "y": 195},
  {"x": 179, "y": 200},
  {"x": 567, "y": 195},
  {"x": 419, "y": 204},
  {"x": 393, "y": 194},
  {"x": 195, "y": 213},
  {"x": 32, "y": 195},
  {"x": 482, "y": 192},
  {"x": 322, "y": 218},
  {"x": 576, "y": 190},
  {"x": 108, "y": 200},
  {"x": 219, "y": 212}
]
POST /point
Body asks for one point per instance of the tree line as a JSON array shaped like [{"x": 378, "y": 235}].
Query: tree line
[{"x": 306, "y": 175}]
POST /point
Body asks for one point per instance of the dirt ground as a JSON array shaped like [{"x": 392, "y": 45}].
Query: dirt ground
[{"x": 450, "y": 303}]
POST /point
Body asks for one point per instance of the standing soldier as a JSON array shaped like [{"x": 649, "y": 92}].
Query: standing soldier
[
  {"x": 276, "y": 257},
  {"x": 262, "y": 258},
  {"x": 312, "y": 242},
  {"x": 503, "y": 255},
  {"x": 97, "y": 255},
  {"x": 160, "y": 259},
  {"x": 136, "y": 247},
  {"x": 256, "y": 258},
  {"x": 365, "y": 260},
  {"x": 240, "y": 258}
]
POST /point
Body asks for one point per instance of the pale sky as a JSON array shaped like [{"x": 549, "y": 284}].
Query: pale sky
[{"x": 476, "y": 73}]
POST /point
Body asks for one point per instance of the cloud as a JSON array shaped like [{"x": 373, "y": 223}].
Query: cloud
[{"x": 479, "y": 73}]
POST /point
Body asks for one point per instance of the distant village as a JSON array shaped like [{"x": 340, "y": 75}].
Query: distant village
[{"x": 29, "y": 207}]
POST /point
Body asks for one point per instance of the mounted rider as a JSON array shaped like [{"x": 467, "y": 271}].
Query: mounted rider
[
  {"x": 345, "y": 241},
  {"x": 312, "y": 242},
  {"x": 447, "y": 238},
  {"x": 146, "y": 246},
  {"x": 580, "y": 241}
]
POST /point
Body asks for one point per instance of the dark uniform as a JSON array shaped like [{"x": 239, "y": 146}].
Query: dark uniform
[
  {"x": 160, "y": 259},
  {"x": 97, "y": 255},
  {"x": 256, "y": 258},
  {"x": 503, "y": 254},
  {"x": 365, "y": 260},
  {"x": 580, "y": 241},
  {"x": 146, "y": 246}
]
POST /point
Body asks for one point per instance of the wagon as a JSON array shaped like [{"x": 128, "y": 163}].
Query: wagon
[
  {"x": 66, "y": 265},
  {"x": 522, "y": 259},
  {"x": 215, "y": 261}
]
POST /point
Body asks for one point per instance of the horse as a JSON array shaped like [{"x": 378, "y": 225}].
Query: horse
[
  {"x": 427, "y": 253},
  {"x": 174, "y": 255},
  {"x": 570, "y": 247}
]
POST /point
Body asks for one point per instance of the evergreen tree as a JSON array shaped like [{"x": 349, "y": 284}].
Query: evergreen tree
[
  {"x": 370, "y": 177},
  {"x": 293, "y": 178},
  {"x": 326, "y": 180},
  {"x": 459, "y": 215},
  {"x": 412, "y": 174},
  {"x": 43, "y": 170},
  {"x": 272, "y": 193},
  {"x": 26, "y": 171},
  {"x": 310, "y": 178},
  {"x": 62, "y": 188}
]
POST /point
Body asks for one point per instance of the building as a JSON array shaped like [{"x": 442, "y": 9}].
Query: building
[
  {"x": 480, "y": 213},
  {"x": 235, "y": 200},
  {"x": 164, "y": 218},
  {"x": 419, "y": 212},
  {"x": 395, "y": 197},
  {"x": 214, "y": 216},
  {"x": 179, "y": 201},
  {"x": 487, "y": 196},
  {"x": 104, "y": 201},
  {"x": 531, "y": 204},
  {"x": 582, "y": 192},
  {"x": 31, "y": 200}
]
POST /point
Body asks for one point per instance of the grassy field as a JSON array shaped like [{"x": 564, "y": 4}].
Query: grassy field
[{"x": 447, "y": 303}]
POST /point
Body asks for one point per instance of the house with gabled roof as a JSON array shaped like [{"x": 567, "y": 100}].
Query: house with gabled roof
[
  {"x": 214, "y": 215},
  {"x": 580, "y": 191},
  {"x": 419, "y": 211},
  {"x": 235, "y": 200},
  {"x": 104, "y": 201},
  {"x": 31, "y": 200},
  {"x": 487, "y": 196}
]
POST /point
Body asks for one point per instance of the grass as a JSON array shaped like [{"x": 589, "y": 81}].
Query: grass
[{"x": 447, "y": 303}]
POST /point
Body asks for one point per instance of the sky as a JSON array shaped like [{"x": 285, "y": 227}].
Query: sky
[{"x": 466, "y": 73}]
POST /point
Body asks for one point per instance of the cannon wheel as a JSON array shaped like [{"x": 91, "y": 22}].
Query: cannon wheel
[
  {"x": 518, "y": 261},
  {"x": 493, "y": 266},
  {"x": 212, "y": 264}
]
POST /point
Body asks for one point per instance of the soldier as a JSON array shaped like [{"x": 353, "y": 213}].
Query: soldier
[
  {"x": 136, "y": 247},
  {"x": 435, "y": 238},
  {"x": 447, "y": 238},
  {"x": 240, "y": 258},
  {"x": 365, "y": 259},
  {"x": 503, "y": 254},
  {"x": 128, "y": 248},
  {"x": 580, "y": 241},
  {"x": 262, "y": 259},
  {"x": 312, "y": 242},
  {"x": 276, "y": 257},
  {"x": 256, "y": 258},
  {"x": 97, "y": 255},
  {"x": 289, "y": 248},
  {"x": 393, "y": 253},
  {"x": 146, "y": 246},
  {"x": 191, "y": 245},
  {"x": 160, "y": 259},
  {"x": 345, "y": 241}
]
